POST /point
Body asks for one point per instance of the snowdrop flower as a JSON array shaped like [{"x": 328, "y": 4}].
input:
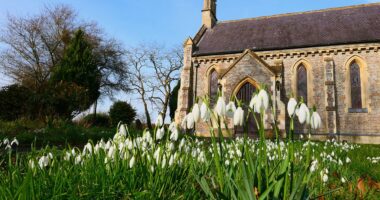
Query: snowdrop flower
[
  {"x": 239, "y": 117},
  {"x": 160, "y": 133},
  {"x": 174, "y": 135},
  {"x": 5, "y": 141},
  {"x": 67, "y": 156},
  {"x": 196, "y": 112},
  {"x": 14, "y": 141},
  {"x": 50, "y": 155},
  {"x": 314, "y": 166},
  {"x": 348, "y": 160},
  {"x": 78, "y": 159},
  {"x": 263, "y": 100},
  {"x": 31, "y": 164},
  {"x": 343, "y": 180},
  {"x": 316, "y": 121},
  {"x": 163, "y": 164},
  {"x": 132, "y": 162},
  {"x": 220, "y": 107},
  {"x": 291, "y": 106},
  {"x": 325, "y": 178},
  {"x": 205, "y": 114},
  {"x": 190, "y": 121},
  {"x": 253, "y": 102},
  {"x": 303, "y": 113},
  {"x": 159, "y": 121},
  {"x": 123, "y": 130},
  {"x": 184, "y": 122},
  {"x": 87, "y": 147},
  {"x": 230, "y": 109},
  {"x": 171, "y": 160},
  {"x": 172, "y": 126},
  {"x": 43, "y": 161}
]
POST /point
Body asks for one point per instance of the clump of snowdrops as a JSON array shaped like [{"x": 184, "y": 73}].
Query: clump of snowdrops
[{"x": 165, "y": 163}]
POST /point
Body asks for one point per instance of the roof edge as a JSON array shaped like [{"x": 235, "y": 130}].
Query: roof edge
[{"x": 300, "y": 13}]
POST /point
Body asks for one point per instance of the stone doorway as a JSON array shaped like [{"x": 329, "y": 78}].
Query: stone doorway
[{"x": 244, "y": 94}]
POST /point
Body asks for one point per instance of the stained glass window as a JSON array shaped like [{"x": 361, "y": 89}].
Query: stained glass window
[
  {"x": 302, "y": 82},
  {"x": 356, "y": 91},
  {"x": 213, "y": 87}
]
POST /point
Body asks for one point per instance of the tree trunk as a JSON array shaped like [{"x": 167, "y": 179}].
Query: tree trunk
[
  {"x": 165, "y": 106},
  {"x": 147, "y": 115},
  {"x": 95, "y": 107}
]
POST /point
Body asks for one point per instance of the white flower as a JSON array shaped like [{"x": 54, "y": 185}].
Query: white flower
[
  {"x": 196, "y": 112},
  {"x": 172, "y": 126},
  {"x": 78, "y": 159},
  {"x": 316, "y": 121},
  {"x": 87, "y": 147},
  {"x": 205, "y": 114},
  {"x": 253, "y": 102},
  {"x": 160, "y": 133},
  {"x": 171, "y": 160},
  {"x": 314, "y": 166},
  {"x": 220, "y": 107},
  {"x": 14, "y": 141},
  {"x": 303, "y": 113},
  {"x": 122, "y": 130},
  {"x": 184, "y": 122},
  {"x": 348, "y": 160},
  {"x": 159, "y": 120},
  {"x": 343, "y": 180},
  {"x": 5, "y": 141},
  {"x": 291, "y": 106},
  {"x": 31, "y": 163},
  {"x": 190, "y": 121},
  {"x": 239, "y": 117},
  {"x": 67, "y": 156},
  {"x": 230, "y": 109},
  {"x": 263, "y": 98},
  {"x": 50, "y": 155},
  {"x": 132, "y": 162},
  {"x": 43, "y": 161},
  {"x": 174, "y": 135},
  {"x": 325, "y": 178}
]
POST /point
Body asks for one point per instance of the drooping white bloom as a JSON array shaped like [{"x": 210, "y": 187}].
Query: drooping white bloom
[
  {"x": 196, "y": 112},
  {"x": 5, "y": 141},
  {"x": 343, "y": 180},
  {"x": 184, "y": 122},
  {"x": 303, "y": 113},
  {"x": 291, "y": 106},
  {"x": 348, "y": 160},
  {"x": 239, "y": 117},
  {"x": 230, "y": 109},
  {"x": 205, "y": 113},
  {"x": 263, "y": 98},
  {"x": 171, "y": 160},
  {"x": 132, "y": 162},
  {"x": 87, "y": 148},
  {"x": 14, "y": 141},
  {"x": 325, "y": 178},
  {"x": 159, "y": 121},
  {"x": 160, "y": 133},
  {"x": 31, "y": 164},
  {"x": 190, "y": 121},
  {"x": 78, "y": 159},
  {"x": 122, "y": 130},
  {"x": 253, "y": 102},
  {"x": 314, "y": 166},
  {"x": 43, "y": 161},
  {"x": 220, "y": 107},
  {"x": 50, "y": 155},
  {"x": 316, "y": 121},
  {"x": 172, "y": 126},
  {"x": 174, "y": 135}
]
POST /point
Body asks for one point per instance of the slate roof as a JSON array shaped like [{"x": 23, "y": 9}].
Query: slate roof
[{"x": 346, "y": 25}]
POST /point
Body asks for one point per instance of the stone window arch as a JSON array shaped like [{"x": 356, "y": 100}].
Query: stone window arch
[
  {"x": 356, "y": 84},
  {"x": 213, "y": 85},
  {"x": 302, "y": 84}
]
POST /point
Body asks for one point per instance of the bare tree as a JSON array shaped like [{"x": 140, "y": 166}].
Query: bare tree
[
  {"x": 166, "y": 66},
  {"x": 136, "y": 59},
  {"x": 153, "y": 73}
]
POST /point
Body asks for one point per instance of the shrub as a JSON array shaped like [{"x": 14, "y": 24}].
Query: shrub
[
  {"x": 13, "y": 102},
  {"x": 122, "y": 112},
  {"x": 98, "y": 120}
]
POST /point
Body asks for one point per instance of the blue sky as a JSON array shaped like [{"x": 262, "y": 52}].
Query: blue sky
[{"x": 167, "y": 22}]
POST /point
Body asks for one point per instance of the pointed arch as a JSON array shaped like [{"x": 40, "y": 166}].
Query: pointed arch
[
  {"x": 356, "y": 84},
  {"x": 212, "y": 83},
  {"x": 302, "y": 84},
  {"x": 243, "y": 82}
]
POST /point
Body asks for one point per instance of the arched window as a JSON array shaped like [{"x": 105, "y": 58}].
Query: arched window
[
  {"x": 356, "y": 90},
  {"x": 213, "y": 86},
  {"x": 302, "y": 82}
]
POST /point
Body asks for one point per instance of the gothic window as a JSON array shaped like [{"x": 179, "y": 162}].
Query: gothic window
[
  {"x": 302, "y": 82},
  {"x": 356, "y": 90},
  {"x": 213, "y": 86}
]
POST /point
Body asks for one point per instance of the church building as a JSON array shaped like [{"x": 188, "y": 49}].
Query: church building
[{"x": 330, "y": 58}]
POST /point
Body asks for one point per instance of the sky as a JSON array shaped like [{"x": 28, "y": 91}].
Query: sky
[{"x": 166, "y": 22}]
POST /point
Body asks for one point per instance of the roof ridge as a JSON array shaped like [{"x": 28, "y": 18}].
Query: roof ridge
[{"x": 302, "y": 12}]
